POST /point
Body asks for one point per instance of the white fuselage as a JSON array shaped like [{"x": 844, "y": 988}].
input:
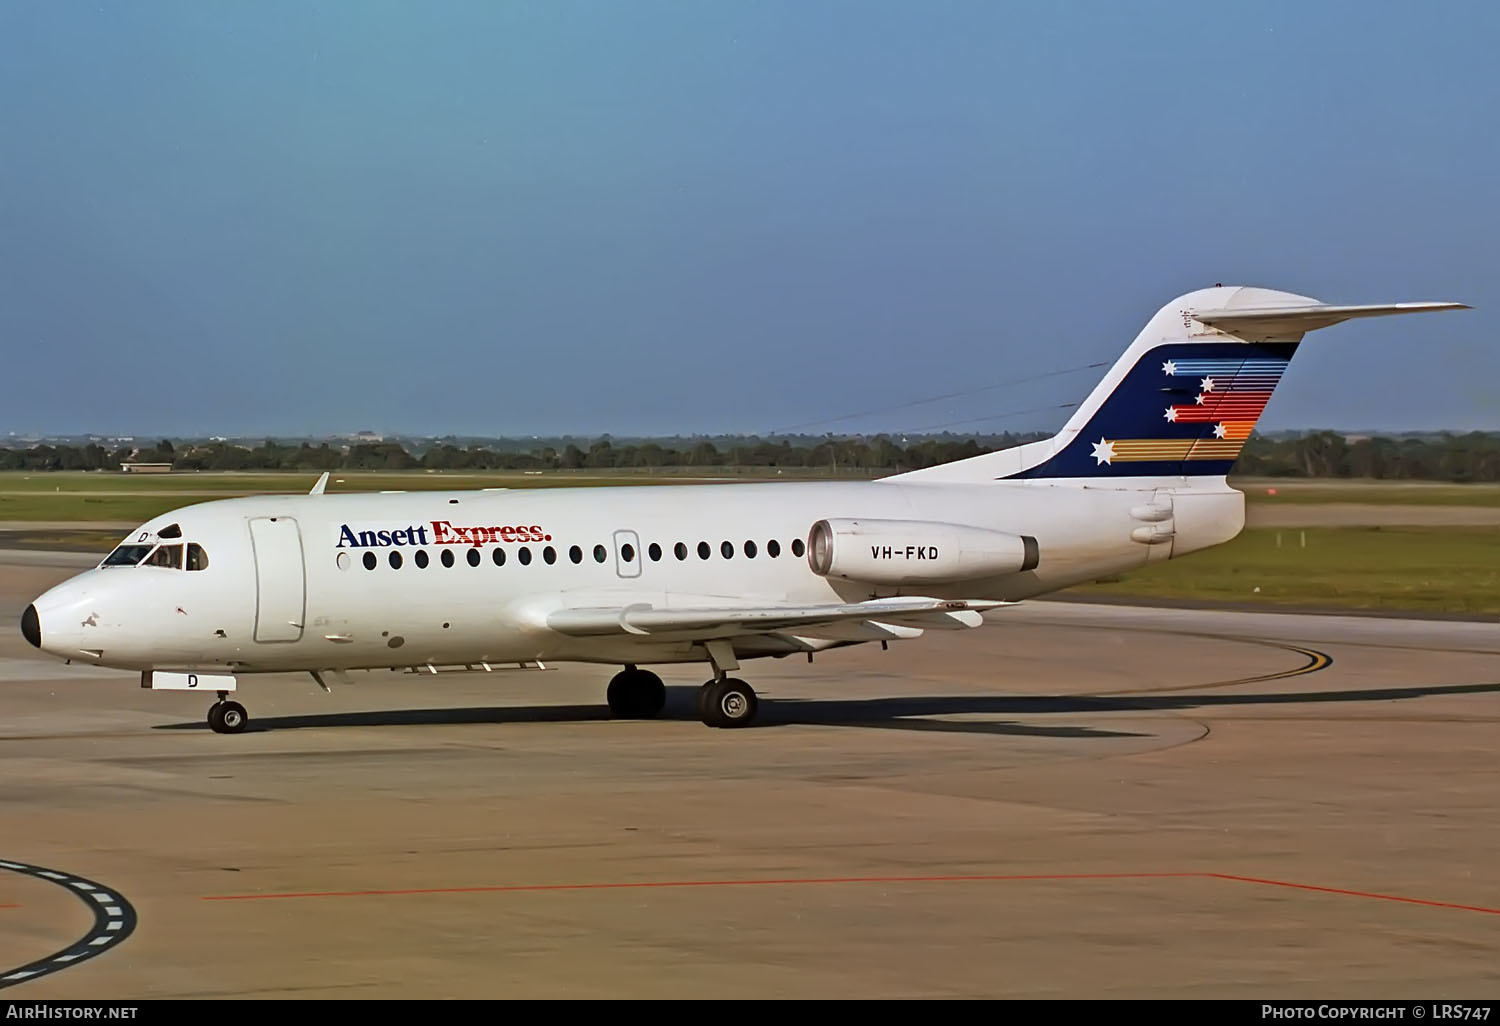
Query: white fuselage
[{"x": 287, "y": 586}]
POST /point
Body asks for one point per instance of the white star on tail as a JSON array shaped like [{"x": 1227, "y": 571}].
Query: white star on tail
[
  {"x": 1208, "y": 384},
  {"x": 1172, "y": 414},
  {"x": 1169, "y": 367},
  {"x": 1103, "y": 451},
  {"x": 1219, "y": 431}
]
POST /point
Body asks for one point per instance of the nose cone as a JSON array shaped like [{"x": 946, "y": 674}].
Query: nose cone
[{"x": 31, "y": 627}]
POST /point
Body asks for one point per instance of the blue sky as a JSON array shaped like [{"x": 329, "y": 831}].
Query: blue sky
[{"x": 698, "y": 216}]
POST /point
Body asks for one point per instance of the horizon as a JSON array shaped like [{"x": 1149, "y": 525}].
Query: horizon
[{"x": 144, "y": 440}]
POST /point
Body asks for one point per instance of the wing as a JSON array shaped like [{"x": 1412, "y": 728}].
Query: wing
[{"x": 876, "y": 619}]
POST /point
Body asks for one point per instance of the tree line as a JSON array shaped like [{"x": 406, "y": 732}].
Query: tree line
[{"x": 1474, "y": 456}]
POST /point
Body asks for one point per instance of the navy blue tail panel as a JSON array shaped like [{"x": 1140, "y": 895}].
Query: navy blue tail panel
[{"x": 1185, "y": 408}]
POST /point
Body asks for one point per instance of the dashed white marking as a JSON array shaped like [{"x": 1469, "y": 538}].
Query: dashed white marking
[{"x": 111, "y": 923}]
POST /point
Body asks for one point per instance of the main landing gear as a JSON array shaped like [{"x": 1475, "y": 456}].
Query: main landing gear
[
  {"x": 636, "y": 695},
  {"x": 227, "y": 717},
  {"x": 727, "y": 702}
]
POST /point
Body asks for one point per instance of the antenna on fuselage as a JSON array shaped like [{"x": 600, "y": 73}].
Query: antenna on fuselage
[{"x": 317, "y": 489}]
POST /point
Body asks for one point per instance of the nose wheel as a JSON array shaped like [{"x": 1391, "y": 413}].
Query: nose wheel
[{"x": 227, "y": 717}]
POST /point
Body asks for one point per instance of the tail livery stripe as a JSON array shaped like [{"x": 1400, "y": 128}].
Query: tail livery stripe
[
  {"x": 1149, "y": 450},
  {"x": 1191, "y": 367},
  {"x": 1214, "y": 410},
  {"x": 1225, "y": 383}
]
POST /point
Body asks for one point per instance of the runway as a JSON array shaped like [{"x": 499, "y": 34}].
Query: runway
[{"x": 1072, "y": 801}]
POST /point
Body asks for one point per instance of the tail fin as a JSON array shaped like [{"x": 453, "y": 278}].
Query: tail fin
[{"x": 1185, "y": 396}]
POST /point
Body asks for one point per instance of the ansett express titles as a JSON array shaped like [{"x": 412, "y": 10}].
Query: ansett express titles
[{"x": 436, "y": 532}]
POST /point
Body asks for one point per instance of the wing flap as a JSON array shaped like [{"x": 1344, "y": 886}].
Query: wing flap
[
  {"x": 860, "y": 630},
  {"x": 886, "y": 618}
]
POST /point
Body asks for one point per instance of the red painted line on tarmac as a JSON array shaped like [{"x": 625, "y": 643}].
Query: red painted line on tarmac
[
  {"x": 644, "y": 884},
  {"x": 792, "y": 881},
  {"x": 1354, "y": 894}
]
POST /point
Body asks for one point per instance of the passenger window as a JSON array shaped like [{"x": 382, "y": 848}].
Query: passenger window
[
  {"x": 474, "y": 557},
  {"x": 370, "y": 561},
  {"x": 750, "y": 550},
  {"x": 447, "y": 557},
  {"x": 727, "y": 549},
  {"x": 395, "y": 561},
  {"x": 524, "y": 555},
  {"x": 421, "y": 558},
  {"x": 600, "y": 553},
  {"x": 679, "y": 550},
  {"x": 797, "y": 547},
  {"x": 627, "y": 552},
  {"x": 550, "y": 555},
  {"x": 498, "y": 556},
  {"x": 197, "y": 559},
  {"x": 575, "y": 554},
  {"x": 703, "y": 550},
  {"x": 773, "y": 548},
  {"x": 168, "y": 556},
  {"x": 654, "y": 551}
]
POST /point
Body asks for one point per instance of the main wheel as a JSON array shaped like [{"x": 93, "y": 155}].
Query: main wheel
[
  {"x": 729, "y": 703},
  {"x": 230, "y": 718},
  {"x": 636, "y": 695}
]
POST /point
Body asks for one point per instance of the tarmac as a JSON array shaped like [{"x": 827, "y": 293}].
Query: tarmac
[{"x": 1075, "y": 800}]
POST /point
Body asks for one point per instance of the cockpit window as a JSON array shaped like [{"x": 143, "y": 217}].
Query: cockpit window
[
  {"x": 126, "y": 555},
  {"x": 170, "y": 531},
  {"x": 197, "y": 559},
  {"x": 166, "y": 555}
]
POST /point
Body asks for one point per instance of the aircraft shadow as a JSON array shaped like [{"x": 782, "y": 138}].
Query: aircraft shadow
[
  {"x": 859, "y": 710},
  {"x": 416, "y": 717},
  {"x": 914, "y": 712}
]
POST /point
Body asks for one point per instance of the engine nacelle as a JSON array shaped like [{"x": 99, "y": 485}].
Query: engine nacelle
[{"x": 912, "y": 551}]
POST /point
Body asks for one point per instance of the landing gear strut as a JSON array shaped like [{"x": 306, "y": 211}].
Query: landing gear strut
[
  {"x": 227, "y": 717},
  {"x": 636, "y": 695}
]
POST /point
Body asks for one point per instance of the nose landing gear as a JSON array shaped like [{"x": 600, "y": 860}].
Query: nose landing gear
[{"x": 227, "y": 717}]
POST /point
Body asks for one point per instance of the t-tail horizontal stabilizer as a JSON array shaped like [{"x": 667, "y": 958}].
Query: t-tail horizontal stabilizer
[{"x": 1283, "y": 321}]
